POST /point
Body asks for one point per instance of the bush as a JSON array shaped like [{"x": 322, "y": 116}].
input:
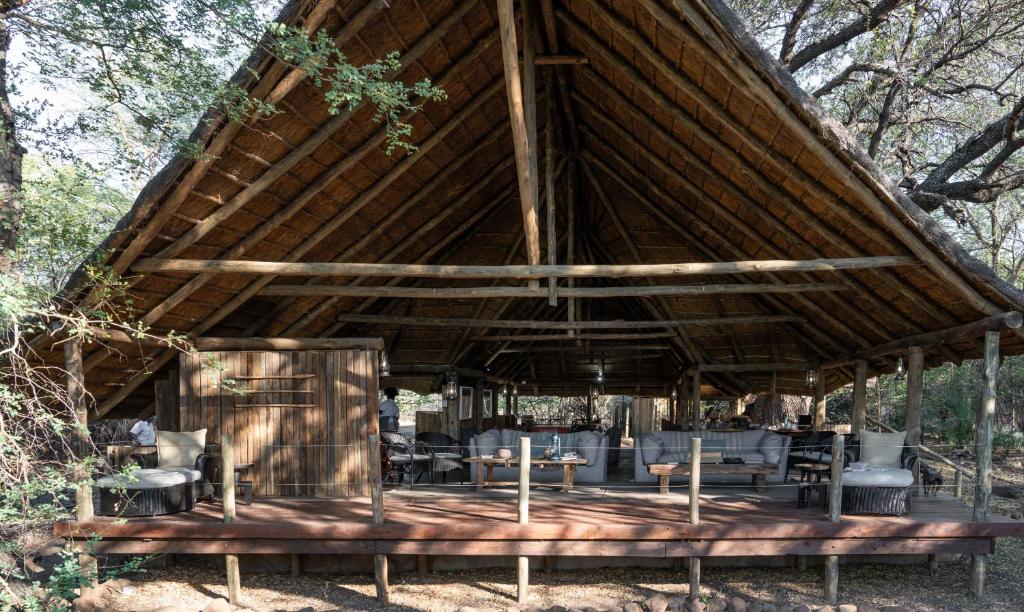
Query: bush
[{"x": 1007, "y": 440}]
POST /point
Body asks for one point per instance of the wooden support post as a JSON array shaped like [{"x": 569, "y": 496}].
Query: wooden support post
[
  {"x": 983, "y": 447},
  {"x": 422, "y": 565},
  {"x": 958, "y": 484},
  {"x": 835, "y": 510},
  {"x": 860, "y": 397},
  {"x": 696, "y": 417},
  {"x": 694, "y": 512},
  {"x": 741, "y": 405},
  {"x": 820, "y": 402},
  {"x": 380, "y": 561},
  {"x": 549, "y": 190},
  {"x": 683, "y": 412},
  {"x": 478, "y": 405},
  {"x": 227, "y": 484},
  {"x": 295, "y": 565},
  {"x": 523, "y": 563},
  {"x": 75, "y": 385},
  {"x": 915, "y": 393}
]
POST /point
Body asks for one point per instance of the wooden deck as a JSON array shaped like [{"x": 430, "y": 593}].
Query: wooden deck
[{"x": 584, "y": 523}]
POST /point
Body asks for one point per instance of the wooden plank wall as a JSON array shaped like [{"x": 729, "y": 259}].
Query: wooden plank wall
[{"x": 300, "y": 417}]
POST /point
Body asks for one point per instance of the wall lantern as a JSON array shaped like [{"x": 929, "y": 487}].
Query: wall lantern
[
  {"x": 385, "y": 364},
  {"x": 600, "y": 374},
  {"x": 901, "y": 370},
  {"x": 812, "y": 378},
  {"x": 451, "y": 387}
]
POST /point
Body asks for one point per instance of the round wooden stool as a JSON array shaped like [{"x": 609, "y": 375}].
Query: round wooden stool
[{"x": 810, "y": 481}]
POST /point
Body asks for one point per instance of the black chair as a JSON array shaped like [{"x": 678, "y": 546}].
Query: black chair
[
  {"x": 446, "y": 454},
  {"x": 404, "y": 456},
  {"x": 813, "y": 448},
  {"x": 614, "y": 442}
]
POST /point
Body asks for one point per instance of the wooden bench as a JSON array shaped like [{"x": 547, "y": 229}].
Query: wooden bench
[{"x": 757, "y": 471}]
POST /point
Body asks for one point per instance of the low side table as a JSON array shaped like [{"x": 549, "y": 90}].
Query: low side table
[
  {"x": 245, "y": 486},
  {"x": 810, "y": 481}
]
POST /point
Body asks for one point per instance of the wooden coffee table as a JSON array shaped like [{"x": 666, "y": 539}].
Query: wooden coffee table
[
  {"x": 757, "y": 472},
  {"x": 485, "y": 470}
]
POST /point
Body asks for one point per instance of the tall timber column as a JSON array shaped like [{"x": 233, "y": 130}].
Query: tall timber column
[
  {"x": 983, "y": 447},
  {"x": 915, "y": 395},
  {"x": 820, "y": 401},
  {"x": 860, "y": 397},
  {"x": 695, "y": 416}
]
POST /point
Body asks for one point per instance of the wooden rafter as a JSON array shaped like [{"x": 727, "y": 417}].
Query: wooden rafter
[
  {"x": 476, "y": 293},
  {"x": 476, "y": 322},
  {"x": 525, "y": 147}
]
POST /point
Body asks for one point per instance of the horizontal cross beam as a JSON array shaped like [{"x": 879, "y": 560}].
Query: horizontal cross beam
[
  {"x": 566, "y": 337},
  {"x": 286, "y": 344},
  {"x": 342, "y": 269},
  {"x": 484, "y": 293},
  {"x": 451, "y": 322},
  {"x": 753, "y": 367}
]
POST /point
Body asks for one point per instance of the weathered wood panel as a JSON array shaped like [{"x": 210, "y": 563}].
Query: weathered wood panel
[{"x": 300, "y": 417}]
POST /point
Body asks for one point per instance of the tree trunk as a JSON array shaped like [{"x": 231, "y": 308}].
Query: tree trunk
[{"x": 10, "y": 163}]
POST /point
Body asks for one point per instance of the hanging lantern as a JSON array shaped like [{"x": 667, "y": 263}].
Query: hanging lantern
[
  {"x": 901, "y": 370},
  {"x": 675, "y": 394},
  {"x": 600, "y": 374},
  {"x": 812, "y": 378},
  {"x": 451, "y": 387},
  {"x": 385, "y": 364},
  {"x": 595, "y": 392},
  {"x": 515, "y": 389},
  {"x": 504, "y": 389}
]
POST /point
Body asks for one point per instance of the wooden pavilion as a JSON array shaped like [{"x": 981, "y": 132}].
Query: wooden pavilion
[{"x": 629, "y": 194}]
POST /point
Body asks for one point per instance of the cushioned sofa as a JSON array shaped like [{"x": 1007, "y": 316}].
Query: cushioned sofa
[
  {"x": 753, "y": 446},
  {"x": 589, "y": 445}
]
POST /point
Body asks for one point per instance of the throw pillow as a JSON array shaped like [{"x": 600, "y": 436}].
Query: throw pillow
[
  {"x": 651, "y": 448},
  {"x": 770, "y": 446},
  {"x": 489, "y": 442},
  {"x": 179, "y": 448},
  {"x": 881, "y": 448},
  {"x": 588, "y": 446}
]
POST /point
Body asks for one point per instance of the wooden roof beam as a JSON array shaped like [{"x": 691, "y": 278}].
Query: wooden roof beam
[
  {"x": 566, "y": 337},
  {"x": 209, "y": 343},
  {"x": 1011, "y": 321},
  {"x": 446, "y": 293},
  {"x": 451, "y": 322},
  {"x": 521, "y": 96},
  {"x": 236, "y": 266},
  {"x": 753, "y": 367}
]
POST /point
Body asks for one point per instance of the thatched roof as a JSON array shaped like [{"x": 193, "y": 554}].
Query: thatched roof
[{"x": 683, "y": 140}]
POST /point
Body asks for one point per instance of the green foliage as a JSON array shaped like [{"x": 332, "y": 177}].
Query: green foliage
[
  {"x": 68, "y": 211},
  {"x": 1006, "y": 441}
]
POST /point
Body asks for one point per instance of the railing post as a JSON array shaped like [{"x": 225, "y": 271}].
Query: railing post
[
  {"x": 983, "y": 447},
  {"x": 835, "y": 511},
  {"x": 958, "y": 484},
  {"x": 523, "y": 563},
  {"x": 380, "y": 561},
  {"x": 694, "y": 513},
  {"x": 227, "y": 493}
]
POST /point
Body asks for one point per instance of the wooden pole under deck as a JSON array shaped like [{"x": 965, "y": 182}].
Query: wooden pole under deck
[
  {"x": 915, "y": 396},
  {"x": 983, "y": 447},
  {"x": 227, "y": 488},
  {"x": 694, "y": 504},
  {"x": 518, "y": 114},
  {"x": 380, "y": 561},
  {"x": 523, "y": 562},
  {"x": 860, "y": 397},
  {"x": 820, "y": 401},
  {"x": 835, "y": 510}
]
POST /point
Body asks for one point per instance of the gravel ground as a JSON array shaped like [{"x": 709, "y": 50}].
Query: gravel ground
[{"x": 190, "y": 587}]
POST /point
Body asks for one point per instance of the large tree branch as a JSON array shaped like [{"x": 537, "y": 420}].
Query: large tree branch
[
  {"x": 867, "y": 22},
  {"x": 847, "y": 74},
  {"x": 789, "y": 37}
]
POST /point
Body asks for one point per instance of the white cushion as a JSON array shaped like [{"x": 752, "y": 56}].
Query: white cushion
[
  {"x": 488, "y": 442},
  {"x": 878, "y": 478},
  {"x": 882, "y": 448},
  {"x": 589, "y": 445},
  {"x": 143, "y": 479},
  {"x": 770, "y": 446},
  {"x": 177, "y": 448},
  {"x": 447, "y": 456},
  {"x": 404, "y": 458},
  {"x": 192, "y": 474},
  {"x": 652, "y": 448},
  {"x": 754, "y": 458}
]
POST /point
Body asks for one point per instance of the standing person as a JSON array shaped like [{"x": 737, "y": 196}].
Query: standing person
[{"x": 389, "y": 410}]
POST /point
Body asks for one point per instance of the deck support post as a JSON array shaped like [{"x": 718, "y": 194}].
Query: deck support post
[
  {"x": 295, "y": 565},
  {"x": 523, "y": 562},
  {"x": 860, "y": 397},
  {"x": 820, "y": 401},
  {"x": 915, "y": 394},
  {"x": 835, "y": 510},
  {"x": 380, "y": 561},
  {"x": 422, "y": 565},
  {"x": 227, "y": 492},
  {"x": 694, "y": 503},
  {"x": 983, "y": 447},
  {"x": 75, "y": 385}
]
